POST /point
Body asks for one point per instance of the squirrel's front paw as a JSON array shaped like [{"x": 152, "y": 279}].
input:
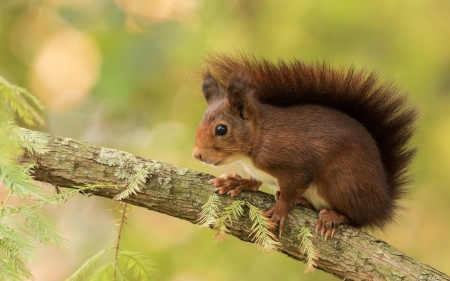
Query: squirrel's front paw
[
  {"x": 329, "y": 222},
  {"x": 233, "y": 184}
]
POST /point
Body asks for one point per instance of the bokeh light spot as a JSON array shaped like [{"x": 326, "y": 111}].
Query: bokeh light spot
[{"x": 65, "y": 69}]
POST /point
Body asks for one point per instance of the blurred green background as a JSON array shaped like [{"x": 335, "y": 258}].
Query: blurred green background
[{"x": 124, "y": 74}]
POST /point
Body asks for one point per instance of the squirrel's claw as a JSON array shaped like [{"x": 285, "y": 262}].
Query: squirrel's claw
[
  {"x": 329, "y": 222},
  {"x": 278, "y": 215}
]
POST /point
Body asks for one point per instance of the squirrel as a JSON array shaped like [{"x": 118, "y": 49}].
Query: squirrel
[{"x": 335, "y": 140}]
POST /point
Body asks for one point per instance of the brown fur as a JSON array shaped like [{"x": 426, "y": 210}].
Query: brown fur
[{"x": 339, "y": 129}]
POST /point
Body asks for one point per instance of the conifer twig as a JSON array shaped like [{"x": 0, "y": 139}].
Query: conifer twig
[{"x": 116, "y": 255}]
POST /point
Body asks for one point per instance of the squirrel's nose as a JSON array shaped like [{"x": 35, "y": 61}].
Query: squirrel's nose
[{"x": 196, "y": 154}]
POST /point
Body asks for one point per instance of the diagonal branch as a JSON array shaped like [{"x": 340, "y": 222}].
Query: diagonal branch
[{"x": 179, "y": 192}]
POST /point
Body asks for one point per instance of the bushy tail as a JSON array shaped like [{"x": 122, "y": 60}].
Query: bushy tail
[{"x": 380, "y": 107}]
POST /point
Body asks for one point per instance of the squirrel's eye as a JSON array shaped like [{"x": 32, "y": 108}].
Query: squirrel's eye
[{"x": 221, "y": 130}]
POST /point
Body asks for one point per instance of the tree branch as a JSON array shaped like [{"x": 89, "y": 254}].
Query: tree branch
[{"x": 179, "y": 192}]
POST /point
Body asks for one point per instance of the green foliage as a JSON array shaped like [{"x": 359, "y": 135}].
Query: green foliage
[
  {"x": 17, "y": 180},
  {"x": 209, "y": 214},
  {"x": 16, "y": 249},
  {"x": 21, "y": 102},
  {"x": 234, "y": 209},
  {"x": 9, "y": 147},
  {"x": 261, "y": 231},
  {"x": 104, "y": 273},
  {"x": 21, "y": 226},
  {"x": 80, "y": 274},
  {"x": 135, "y": 180},
  {"x": 32, "y": 141},
  {"x": 125, "y": 263},
  {"x": 138, "y": 264},
  {"x": 40, "y": 227},
  {"x": 307, "y": 247}
]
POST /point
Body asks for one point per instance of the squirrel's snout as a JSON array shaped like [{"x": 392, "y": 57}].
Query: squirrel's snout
[{"x": 196, "y": 154}]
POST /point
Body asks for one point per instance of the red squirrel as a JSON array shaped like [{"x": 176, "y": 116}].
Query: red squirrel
[{"x": 334, "y": 140}]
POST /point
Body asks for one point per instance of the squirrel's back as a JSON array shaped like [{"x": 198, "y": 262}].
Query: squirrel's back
[{"x": 379, "y": 107}]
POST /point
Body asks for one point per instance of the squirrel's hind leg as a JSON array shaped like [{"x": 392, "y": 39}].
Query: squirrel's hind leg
[
  {"x": 329, "y": 222},
  {"x": 233, "y": 184},
  {"x": 302, "y": 201}
]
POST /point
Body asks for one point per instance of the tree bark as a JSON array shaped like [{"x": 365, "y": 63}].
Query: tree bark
[{"x": 179, "y": 192}]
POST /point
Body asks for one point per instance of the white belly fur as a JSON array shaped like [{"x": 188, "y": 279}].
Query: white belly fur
[
  {"x": 314, "y": 198},
  {"x": 259, "y": 174},
  {"x": 310, "y": 194}
]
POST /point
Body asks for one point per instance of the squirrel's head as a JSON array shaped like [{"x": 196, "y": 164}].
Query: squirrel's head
[{"x": 226, "y": 131}]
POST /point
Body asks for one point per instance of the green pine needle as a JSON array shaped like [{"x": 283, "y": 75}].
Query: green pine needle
[
  {"x": 13, "y": 273},
  {"x": 34, "y": 142},
  {"x": 9, "y": 146},
  {"x": 81, "y": 272},
  {"x": 55, "y": 199},
  {"x": 209, "y": 213},
  {"x": 21, "y": 226},
  {"x": 307, "y": 247},
  {"x": 42, "y": 227},
  {"x": 27, "y": 106},
  {"x": 134, "y": 182},
  {"x": 104, "y": 273},
  {"x": 233, "y": 210},
  {"x": 18, "y": 181},
  {"x": 125, "y": 262},
  {"x": 73, "y": 191},
  {"x": 16, "y": 250},
  {"x": 137, "y": 263},
  {"x": 262, "y": 230},
  {"x": 221, "y": 232}
]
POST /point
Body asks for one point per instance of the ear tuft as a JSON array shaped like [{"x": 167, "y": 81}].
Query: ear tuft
[
  {"x": 237, "y": 94},
  {"x": 210, "y": 88}
]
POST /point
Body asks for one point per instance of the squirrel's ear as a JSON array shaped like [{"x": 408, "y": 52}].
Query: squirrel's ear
[
  {"x": 210, "y": 88},
  {"x": 237, "y": 92}
]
